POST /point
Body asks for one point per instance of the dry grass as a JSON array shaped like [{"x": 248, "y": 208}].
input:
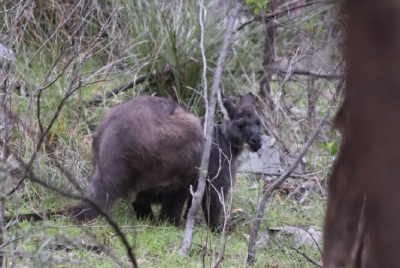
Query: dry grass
[{"x": 92, "y": 49}]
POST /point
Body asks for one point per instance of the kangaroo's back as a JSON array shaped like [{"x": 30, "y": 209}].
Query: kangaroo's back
[{"x": 147, "y": 144}]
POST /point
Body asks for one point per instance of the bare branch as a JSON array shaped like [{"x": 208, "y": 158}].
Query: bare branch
[
  {"x": 12, "y": 8},
  {"x": 310, "y": 73},
  {"x": 198, "y": 195},
  {"x": 255, "y": 224},
  {"x": 29, "y": 174},
  {"x": 141, "y": 79},
  {"x": 307, "y": 258},
  {"x": 281, "y": 13},
  {"x": 55, "y": 32},
  {"x": 204, "y": 62},
  {"x": 227, "y": 215}
]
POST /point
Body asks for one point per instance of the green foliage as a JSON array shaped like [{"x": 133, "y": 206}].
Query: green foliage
[
  {"x": 66, "y": 244},
  {"x": 332, "y": 147},
  {"x": 158, "y": 40},
  {"x": 258, "y": 6}
]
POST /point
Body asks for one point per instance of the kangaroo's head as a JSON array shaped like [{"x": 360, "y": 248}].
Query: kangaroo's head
[{"x": 244, "y": 124}]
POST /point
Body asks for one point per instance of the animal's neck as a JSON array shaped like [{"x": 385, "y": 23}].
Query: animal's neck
[{"x": 222, "y": 137}]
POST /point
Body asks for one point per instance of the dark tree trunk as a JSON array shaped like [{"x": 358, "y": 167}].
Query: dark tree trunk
[
  {"x": 366, "y": 176},
  {"x": 269, "y": 58}
]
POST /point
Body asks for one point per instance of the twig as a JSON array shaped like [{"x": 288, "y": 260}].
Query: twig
[
  {"x": 42, "y": 138},
  {"x": 301, "y": 176},
  {"x": 47, "y": 146},
  {"x": 228, "y": 211},
  {"x": 280, "y": 13},
  {"x": 73, "y": 86},
  {"x": 204, "y": 62},
  {"x": 12, "y": 8},
  {"x": 113, "y": 224},
  {"x": 99, "y": 249},
  {"x": 141, "y": 79},
  {"x": 204, "y": 84},
  {"x": 310, "y": 73},
  {"x": 79, "y": 55},
  {"x": 198, "y": 195},
  {"x": 34, "y": 178},
  {"x": 100, "y": 98},
  {"x": 59, "y": 27},
  {"x": 255, "y": 224},
  {"x": 47, "y": 84},
  {"x": 306, "y": 257}
]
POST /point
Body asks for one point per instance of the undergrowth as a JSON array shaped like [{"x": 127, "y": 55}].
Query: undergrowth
[
  {"x": 109, "y": 43},
  {"x": 61, "y": 242}
]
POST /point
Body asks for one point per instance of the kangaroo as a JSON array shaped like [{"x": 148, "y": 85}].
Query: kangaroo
[
  {"x": 147, "y": 144},
  {"x": 148, "y": 150},
  {"x": 240, "y": 128}
]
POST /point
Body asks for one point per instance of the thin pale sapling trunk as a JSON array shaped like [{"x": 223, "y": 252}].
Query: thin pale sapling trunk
[{"x": 198, "y": 195}]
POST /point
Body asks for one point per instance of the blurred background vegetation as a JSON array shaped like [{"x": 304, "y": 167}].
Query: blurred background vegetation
[{"x": 71, "y": 60}]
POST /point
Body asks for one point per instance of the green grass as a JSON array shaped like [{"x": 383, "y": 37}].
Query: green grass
[
  {"x": 144, "y": 38},
  {"x": 157, "y": 244}
]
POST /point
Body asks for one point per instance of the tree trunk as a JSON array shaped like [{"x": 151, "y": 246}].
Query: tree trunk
[
  {"x": 198, "y": 195},
  {"x": 269, "y": 58},
  {"x": 366, "y": 175}
]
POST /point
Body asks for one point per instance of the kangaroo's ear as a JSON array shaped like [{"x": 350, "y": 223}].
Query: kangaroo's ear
[
  {"x": 230, "y": 109},
  {"x": 247, "y": 100}
]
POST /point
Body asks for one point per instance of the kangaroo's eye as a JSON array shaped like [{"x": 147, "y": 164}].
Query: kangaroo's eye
[{"x": 258, "y": 122}]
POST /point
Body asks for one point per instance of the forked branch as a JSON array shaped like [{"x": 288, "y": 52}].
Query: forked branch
[
  {"x": 255, "y": 224},
  {"x": 34, "y": 178},
  {"x": 198, "y": 195}
]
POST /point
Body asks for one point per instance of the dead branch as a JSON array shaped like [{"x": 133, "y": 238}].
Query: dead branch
[
  {"x": 295, "y": 176},
  {"x": 227, "y": 215},
  {"x": 101, "y": 98},
  {"x": 60, "y": 26},
  {"x": 5, "y": 68},
  {"x": 81, "y": 52},
  {"x": 280, "y": 13},
  {"x": 268, "y": 59},
  {"x": 73, "y": 86},
  {"x": 10, "y": 9},
  {"x": 96, "y": 100},
  {"x": 306, "y": 257},
  {"x": 310, "y": 73},
  {"x": 198, "y": 195},
  {"x": 42, "y": 138},
  {"x": 48, "y": 147},
  {"x": 29, "y": 174},
  {"x": 255, "y": 223}
]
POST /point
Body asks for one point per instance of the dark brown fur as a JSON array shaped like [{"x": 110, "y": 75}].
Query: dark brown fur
[
  {"x": 148, "y": 150},
  {"x": 241, "y": 128},
  {"x": 148, "y": 144}
]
